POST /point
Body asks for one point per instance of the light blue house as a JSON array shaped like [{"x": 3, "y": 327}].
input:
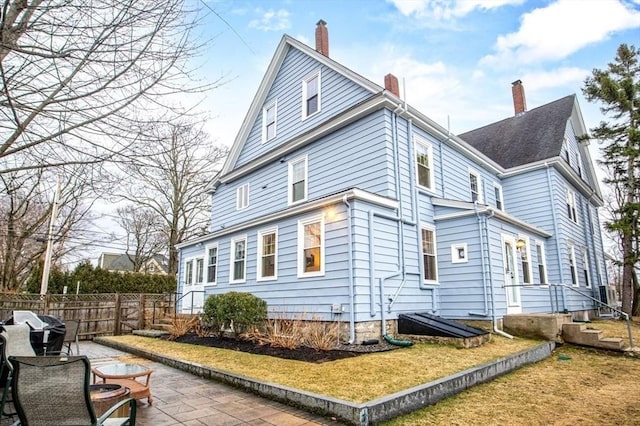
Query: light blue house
[{"x": 341, "y": 202}]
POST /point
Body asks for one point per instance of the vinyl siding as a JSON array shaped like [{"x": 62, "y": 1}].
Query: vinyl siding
[{"x": 337, "y": 94}]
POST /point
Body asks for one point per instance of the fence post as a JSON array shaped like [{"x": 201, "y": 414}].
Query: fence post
[
  {"x": 116, "y": 325},
  {"x": 141, "y": 318},
  {"x": 46, "y": 301}
]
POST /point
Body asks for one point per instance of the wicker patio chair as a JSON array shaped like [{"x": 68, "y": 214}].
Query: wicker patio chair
[
  {"x": 54, "y": 390},
  {"x": 15, "y": 340},
  {"x": 6, "y": 373},
  {"x": 70, "y": 336}
]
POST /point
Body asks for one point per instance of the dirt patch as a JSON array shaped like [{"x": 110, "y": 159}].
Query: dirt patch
[{"x": 302, "y": 353}]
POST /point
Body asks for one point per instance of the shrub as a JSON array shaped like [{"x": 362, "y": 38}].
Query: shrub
[
  {"x": 284, "y": 332},
  {"x": 321, "y": 335},
  {"x": 182, "y": 324},
  {"x": 238, "y": 311}
]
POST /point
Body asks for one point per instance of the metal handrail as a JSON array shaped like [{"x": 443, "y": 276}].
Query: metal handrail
[
  {"x": 601, "y": 303},
  {"x": 190, "y": 292}
]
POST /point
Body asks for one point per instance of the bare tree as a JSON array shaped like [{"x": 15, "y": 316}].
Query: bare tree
[
  {"x": 145, "y": 238},
  {"x": 173, "y": 180},
  {"x": 25, "y": 210},
  {"x": 76, "y": 76}
]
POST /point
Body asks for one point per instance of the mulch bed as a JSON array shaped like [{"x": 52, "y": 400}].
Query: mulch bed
[{"x": 301, "y": 353}]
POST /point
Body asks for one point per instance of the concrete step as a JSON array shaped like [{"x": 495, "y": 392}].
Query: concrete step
[{"x": 580, "y": 334}]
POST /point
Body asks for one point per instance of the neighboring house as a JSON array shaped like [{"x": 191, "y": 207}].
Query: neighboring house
[
  {"x": 340, "y": 201},
  {"x": 118, "y": 262}
]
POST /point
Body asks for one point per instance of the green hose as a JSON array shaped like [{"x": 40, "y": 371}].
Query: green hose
[{"x": 393, "y": 341}]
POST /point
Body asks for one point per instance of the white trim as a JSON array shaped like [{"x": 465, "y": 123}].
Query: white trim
[
  {"x": 574, "y": 265},
  {"x": 316, "y": 74},
  {"x": 419, "y": 141},
  {"x": 242, "y": 196},
  {"x": 514, "y": 307},
  {"x": 273, "y": 104},
  {"x": 586, "y": 270},
  {"x": 259, "y": 254},
  {"x": 527, "y": 248},
  {"x": 232, "y": 259},
  {"x": 542, "y": 253},
  {"x": 497, "y": 186},
  {"x": 478, "y": 176},
  {"x": 432, "y": 229},
  {"x": 304, "y": 159},
  {"x": 207, "y": 258},
  {"x": 188, "y": 271},
  {"x": 572, "y": 203},
  {"x": 459, "y": 253},
  {"x": 301, "y": 246}
]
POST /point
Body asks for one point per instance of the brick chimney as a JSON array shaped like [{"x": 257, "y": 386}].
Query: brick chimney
[
  {"x": 322, "y": 38},
  {"x": 391, "y": 84},
  {"x": 519, "y": 102}
]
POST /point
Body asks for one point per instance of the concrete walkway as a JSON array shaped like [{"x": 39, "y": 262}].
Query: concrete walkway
[{"x": 180, "y": 398}]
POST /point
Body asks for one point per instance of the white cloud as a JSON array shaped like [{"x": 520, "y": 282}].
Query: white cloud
[
  {"x": 446, "y": 9},
  {"x": 561, "y": 77},
  {"x": 271, "y": 20},
  {"x": 560, "y": 29}
]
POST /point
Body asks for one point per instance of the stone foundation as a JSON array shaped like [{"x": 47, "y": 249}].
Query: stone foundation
[
  {"x": 545, "y": 326},
  {"x": 458, "y": 342}
]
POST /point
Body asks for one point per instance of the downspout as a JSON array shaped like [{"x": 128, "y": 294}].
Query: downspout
[
  {"x": 481, "y": 233},
  {"x": 589, "y": 244},
  {"x": 493, "y": 297},
  {"x": 352, "y": 318},
  {"x": 555, "y": 232}
]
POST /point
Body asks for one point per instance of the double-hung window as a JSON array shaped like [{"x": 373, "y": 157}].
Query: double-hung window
[
  {"x": 242, "y": 197},
  {"x": 429, "y": 254},
  {"x": 311, "y": 247},
  {"x": 572, "y": 265},
  {"x": 571, "y": 206},
  {"x": 267, "y": 254},
  {"x": 424, "y": 163},
  {"x": 475, "y": 186},
  {"x": 212, "y": 264},
  {"x": 188, "y": 272},
  {"x": 199, "y": 270},
  {"x": 269, "y": 120},
  {"x": 585, "y": 268},
  {"x": 525, "y": 262},
  {"x": 497, "y": 192},
  {"x": 298, "y": 180},
  {"x": 238, "y": 260},
  {"x": 311, "y": 94},
  {"x": 542, "y": 268}
]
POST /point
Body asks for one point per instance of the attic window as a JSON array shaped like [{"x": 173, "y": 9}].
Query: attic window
[
  {"x": 475, "y": 186},
  {"x": 269, "y": 119},
  {"x": 311, "y": 94}
]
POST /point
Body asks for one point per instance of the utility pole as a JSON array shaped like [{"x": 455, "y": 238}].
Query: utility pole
[{"x": 47, "y": 258}]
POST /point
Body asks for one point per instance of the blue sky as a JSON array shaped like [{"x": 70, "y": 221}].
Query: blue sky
[{"x": 457, "y": 59}]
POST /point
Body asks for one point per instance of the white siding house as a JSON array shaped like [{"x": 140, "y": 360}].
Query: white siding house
[{"x": 341, "y": 202}]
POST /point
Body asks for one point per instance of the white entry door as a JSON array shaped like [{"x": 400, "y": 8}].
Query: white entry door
[
  {"x": 514, "y": 304},
  {"x": 192, "y": 297}
]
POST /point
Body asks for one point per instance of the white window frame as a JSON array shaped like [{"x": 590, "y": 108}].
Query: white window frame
[
  {"x": 292, "y": 163},
  {"x": 459, "y": 253},
  {"x": 420, "y": 142},
  {"x": 305, "y": 83},
  {"x": 261, "y": 255},
  {"x": 242, "y": 197},
  {"x": 572, "y": 206},
  {"x": 199, "y": 271},
  {"x": 499, "y": 200},
  {"x": 567, "y": 154},
  {"x": 233, "y": 260},
  {"x": 478, "y": 177},
  {"x": 578, "y": 164},
  {"x": 586, "y": 271},
  {"x": 526, "y": 250},
  {"x": 265, "y": 124},
  {"x": 188, "y": 272},
  {"x": 542, "y": 261},
  {"x": 208, "y": 264},
  {"x": 432, "y": 229},
  {"x": 301, "y": 247},
  {"x": 573, "y": 267}
]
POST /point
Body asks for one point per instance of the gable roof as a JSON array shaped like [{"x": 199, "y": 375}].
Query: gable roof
[
  {"x": 255, "y": 108},
  {"x": 525, "y": 138},
  {"x": 122, "y": 262}
]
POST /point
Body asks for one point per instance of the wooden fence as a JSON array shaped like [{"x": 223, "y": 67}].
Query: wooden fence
[{"x": 99, "y": 314}]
